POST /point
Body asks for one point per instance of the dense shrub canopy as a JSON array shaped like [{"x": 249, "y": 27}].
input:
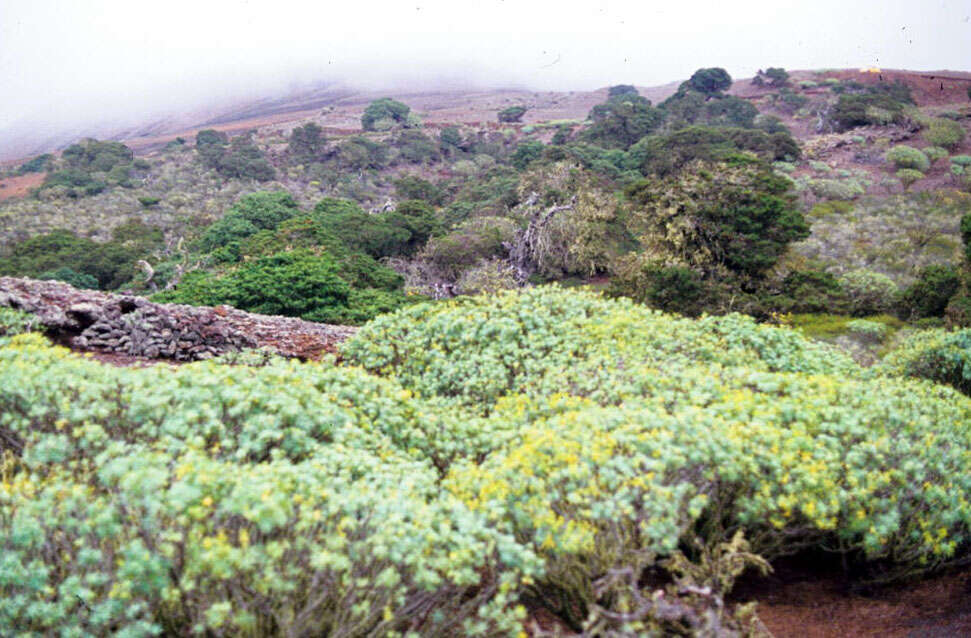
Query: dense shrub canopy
[
  {"x": 237, "y": 158},
  {"x": 527, "y": 444},
  {"x": 306, "y": 143},
  {"x": 739, "y": 216},
  {"x": 710, "y": 81},
  {"x": 622, "y": 120},
  {"x": 384, "y": 113},
  {"x": 59, "y": 253},
  {"x": 512, "y": 114}
]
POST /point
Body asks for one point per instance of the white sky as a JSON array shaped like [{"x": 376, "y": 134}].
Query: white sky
[{"x": 75, "y": 61}]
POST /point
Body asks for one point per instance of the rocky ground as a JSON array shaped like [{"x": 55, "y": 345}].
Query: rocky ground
[{"x": 128, "y": 328}]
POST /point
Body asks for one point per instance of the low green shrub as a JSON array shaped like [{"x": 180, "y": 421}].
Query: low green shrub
[
  {"x": 929, "y": 295},
  {"x": 903, "y": 156},
  {"x": 868, "y": 292},
  {"x": 935, "y": 153},
  {"x": 939, "y": 355},
  {"x": 944, "y": 132},
  {"x": 870, "y": 331},
  {"x": 15, "y": 322},
  {"x": 262, "y": 502},
  {"x": 846, "y": 189},
  {"x": 540, "y": 443},
  {"x": 908, "y": 177}
]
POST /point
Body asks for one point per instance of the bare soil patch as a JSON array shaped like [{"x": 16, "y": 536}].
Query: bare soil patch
[{"x": 20, "y": 185}]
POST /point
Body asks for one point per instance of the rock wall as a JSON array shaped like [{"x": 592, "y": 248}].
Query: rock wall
[{"x": 133, "y": 326}]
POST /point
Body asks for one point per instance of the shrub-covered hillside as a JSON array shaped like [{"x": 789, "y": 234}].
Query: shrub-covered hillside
[
  {"x": 796, "y": 192},
  {"x": 606, "y": 366},
  {"x": 549, "y": 446}
]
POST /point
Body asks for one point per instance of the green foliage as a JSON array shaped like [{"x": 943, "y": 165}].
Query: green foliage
[
  {"x": 520, "y": 339},
  {"x": 250, "y": 214},
  {"x": 966, "y": 236},
  {"x": 738, "y": 216},
  {"x": 944, "y": 132},
  {"x": 95, "y": 156},
  {"x": 691, "y": 107},
  {"x": 621, "y": 121},
  {"x": 525, "y": 153},
  {"x": 296, "y": 284},
  {"x": 728, "y": 111},
  {"x": 710, "y": 81},
  {"x": 853, "y": 110},
  {"x": 89, "y": 167},
  {"x": 15, "y": 322},
  {"x": 362, "y": 232},
  {"x": 414, "y": 187},
  {"x": 472, "y": 241},
  {"x": 217, "y": 499},
  {"x": 667, "y": 288},
  {"x": 593, "y": 489},
  {"x": 111, "y": 264},
  {"x": 776, "y": 76},
  {"x": 358, "y": 153},
  {"x": 929, "y": 295},
  {"x": 384, "y": 110},
  {"x": 938, "y": 355},
  {"x": 416, "y": 147},
  {"x": 664, "y": 154},
  {"x": 908, "y": 176},
  {"x": 39, "y": 164},
  {"x": 562, "y": 135},
  {"x": 868, "y": 292},
  {"x": 69, "y": 276},
  {"x": 770, "y": 124},
  {"x": 808, "y": 291},
  {"x": 896, "y": 235},
  {"x": 903, "y": 156},
  {"x": 935, "y": 153},
  {"x": 450, "y": 140},
  {"x": 560, "y": 439},
  {"x": 512, "y": 114},
  {"x": 306, "y": 143},
  {"x": 238, "y": 158},
  {"x": 838, "y": 189},
  {"x": 621, "y": 89}
]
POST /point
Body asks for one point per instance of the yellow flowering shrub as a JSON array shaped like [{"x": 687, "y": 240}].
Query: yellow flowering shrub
[{"x": 547, "y": 443}]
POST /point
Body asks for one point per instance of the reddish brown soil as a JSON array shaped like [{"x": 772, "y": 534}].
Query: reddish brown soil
[
  {"x": 19, "y": 186},
  {"x": 807, "y": 600},
  {"x": 802, "y": 602},
  {"x": 939, "y": 607},
  {"x": 929, "y": 88}
]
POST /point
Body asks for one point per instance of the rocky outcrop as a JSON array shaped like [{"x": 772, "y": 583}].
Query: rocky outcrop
[{"x": 134, "y": 326}]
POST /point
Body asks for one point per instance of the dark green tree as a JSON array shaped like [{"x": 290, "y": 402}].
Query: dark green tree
[
  {"x": 930, "y": 294},
  {"x": 72, "y": 277},
  {"x": 384, "y": 110},
  {"x": 736, "y": 215},
  {"x": 414, "y": 187},
  {"x": 622, "y": 121},
  {"x": 306, "y": 143},
  {"x": 710, "y": 81},
  {"x": 375, "y": 235},
  {"x": 250, "y": 214},
  {"x": 525, "y": 153},
  {"x": 621, "y": 89},
  {"x": 450, "y": 141},
  {"x": 512, "y": 114}
]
